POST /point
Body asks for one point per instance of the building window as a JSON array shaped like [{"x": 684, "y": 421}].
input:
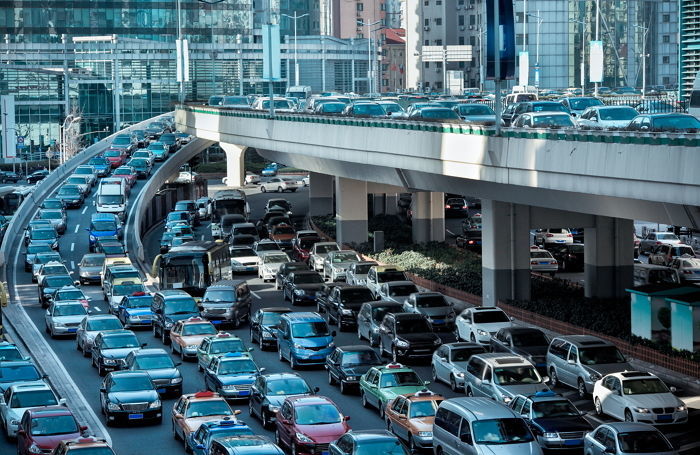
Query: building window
[
  {"x": 666, "y": 38},
  {"x": 426, "y": 64},
  {"x": 666, "y": 59},
  {"x": 472, "y": 19},
  {"x": 667, "y": 80},
  {"x": 426, "y": 43},
  {"x": 460, "y": 20},
  {"x": 438, "y": 21},
  {"x": 472, "y": 40},
  {"x": 426, "y": 3},
  {"x": 360, "y": 35},
  {"x": 360, "y": 6},
  {"x": 519, "y": 39},
  {"x": 460, "y": 40},
  {"x": 461, "y": 64},
  {"x": 438, "y": 2},
  {"x": 438, "y": 64},
  {"x": 666, "y": 18},
  {"x": 519, "y": 18},
  {"x": 438, "y": 85},
  {"x": 426, "y": 22},
  {"x": 385, "y": 66},
  {"x": 385, "y": 82},
  {"x": 438, "y": 42},
  {"x": 460, "y": 2}
]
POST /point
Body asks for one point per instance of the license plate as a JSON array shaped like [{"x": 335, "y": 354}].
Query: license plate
[
  {"x": 573, "y": 442},
  {"x": 73, "y": 330},
  {"x": 135, "y": 416},
  {"x": 160, "y": 390},
  {"x": 560, "y": 241},
  {"x": 316, "y": 357},
  {"x": 244, "y": 392},
  {"x": 215, "y": 322},
  {"x": 664, "y": 417},
  {"x": 544, "y": 263},
  {"x": 250, "y": 269},
  {"x": 325, "y": 452},
  {"x": 439, "y": 321},
  {"x": 146, "y": 321}
]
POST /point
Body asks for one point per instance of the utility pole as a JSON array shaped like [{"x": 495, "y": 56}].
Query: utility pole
[
  {"x": 597, "y": 38},
  {"x": 645, "y": 30},
  {"x": 296, "y": 62}
]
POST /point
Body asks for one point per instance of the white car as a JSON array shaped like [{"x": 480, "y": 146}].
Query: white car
[
  {"x": 553, "y": 235},
  {"x": 280, "y": 185},
  {"x": 243, "y": 259},
  {"x": 252, "y": 179},
  {"x": 336, "y": 264},
  {"x": 116, "y": 293},
  {"x": 319, "y": 252},
  {"x": 306, "y": 181},
  {"x": 606, "y": 117},
  {"x": 64, "y": 318},
  {"x": 397, "y": 291},
  {"x": 269, "y": 263},
  {"x": 688, "y": 268},
  {"x": 20, "y": 397},
  {"x": 636, "y": 396},
  {"x": 542, "y": 261},
  {"x": 357, "y": 272},
  {"x": 479, "y": 324}
]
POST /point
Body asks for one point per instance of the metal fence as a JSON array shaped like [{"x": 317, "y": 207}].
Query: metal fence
[{"x": 647, "y": 105}]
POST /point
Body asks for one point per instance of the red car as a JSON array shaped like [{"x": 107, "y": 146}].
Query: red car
[
  {"x": 307, "y": 424},
  {"x": 128, "y": 173},
  {"x": 116, "y": 157},
  {"x": 42, "y": 429},
  {"x": 301, "y": 247}
]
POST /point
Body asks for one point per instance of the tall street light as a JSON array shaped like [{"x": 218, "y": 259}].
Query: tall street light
[
  {"x": 644, "y": 58},
  {"x": 537, "y": 58},
  {"x": 369, "y": 51},
  {"x": 296, "y": 62}
]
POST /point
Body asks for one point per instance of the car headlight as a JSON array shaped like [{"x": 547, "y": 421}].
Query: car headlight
[
  {"x": 482, "y": 333},
  {"x": 235, "y": 263},
  {"x": 273, "y": 408},
  {"x": 352, "y": 378},
  {"x": 298, "y": 346},
  {"x": 682, "y": 408},
  {"x": 299, "y": 292},
  {"x": 168, "y": 324},
  {"x": 346, "y": 312},
  {"x": 176, "y": 380},
  {"x": 459, "y": 375},
  {"x": 58, "y": 324},
  {"x": 267, "y": 334},
  {"x": 506, "y": 400},
  {"x": 34, "y": 448},
  {"x": 192, "y": 347},
  {"x": 154, "y": 404},
  {"x": 425, "y": 434},
  {"x": 401, "y": 344},
  {"x": 228, "y": 387},
  {"x": 437, "y": 341},
  {"x": 113, "y": 407},
  {"x": 109, "y": 361},
  {"x": 92, "y": 238},
  {"x": 301, "y": 437},
  {"x": 551, "y": 435},
  {"x": 594, "y": 377},
  {"x": 641, "y": 410}
]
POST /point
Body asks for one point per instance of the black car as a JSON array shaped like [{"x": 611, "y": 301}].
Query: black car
[
  {"x": 51, "y": 284},
  {"x": 346, "y": 364},
  {"x": 285, "y": 269},
  {"x": 32, "y": 250},
  {"x": 160, "y": 368},
  {"x": 528, "y": 342},
  {"x": 269, "y": 392},
  {"x": 130, "y": 397},
  {"x": 37, "y": 176},
  {"x": 71, "y": 196},
  {"x": 407, "y": 336},
  {"x": 456, "y": 207},
  {"x": 569, "y": 256},
  {"x": 343, "y": 304},
  {"x": 171, "y": 141},
  {"x": 301, "y": 286},
  {"x": 15, "y": 371},
  {"x": 263, "y": 324},
  {"x": 111, "y": 348},
  {"x": 9, "y": 176}
]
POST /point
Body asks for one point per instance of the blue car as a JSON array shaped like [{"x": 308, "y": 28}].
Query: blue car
[
  {"x": 270, "y": 170},
  {"x": 103, "y": 225},
  {"x": 101, "y": 165},
  {"x": 303, "y": 338},
  {"x": 231, "y": 375},
  {"x": 200, "y": 441},
  {"x": 135, "y": 310}
]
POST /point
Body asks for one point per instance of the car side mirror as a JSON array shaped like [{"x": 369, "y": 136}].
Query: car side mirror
[
  {"x": 83, "y": 428},
  {"x": 346, "y": 418},
  {"x": 62, "y": 402},
  {"x": 200, "y": 447},
  {"x": 316, "y": 389},
  {"x": 143, "y": 345},
  {"x": 402, "y": 417},
  {"x": 673, "y": 389},
  {"x": 177, "y": 364},
  {"x": 333, "y": 333},
  {"x": 177, "y": 415},
  {"x": 103, "y": 389},
  {"x": 466, "y": 438}
]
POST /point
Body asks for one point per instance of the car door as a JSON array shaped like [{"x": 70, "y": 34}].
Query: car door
[
  {"x": 285, "y": 425},
  {"x": 373, "y": 388},
  {"x": 386, "y": 334},
  {"x": 498, "y": 341},
  {"x": 615, "y": 403},
  {"x": 465, "y": 441},
  {"x": 5, "y": 401},
  {"x": 473, "y": 375},
  {"x": 284, "y": 339},
  {"x": 179, "y": 416},
  {"x": 441, "y": 363},
  {"x": 486, "y": 383},
  {"x": 363, "y": 322},
  {"x": 393, "y": 413},
  {"x": 23, "y": 430},
  {"x": 567, "y": 373},
  {"x": 256, "y": 394},
  {"x": 401, "y": 426}
]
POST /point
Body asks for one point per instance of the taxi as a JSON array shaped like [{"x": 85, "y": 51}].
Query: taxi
[
  {"x": 218, "y": 345},
  {"x": 187, "y": 335},
  {"x": 382, "y": 384},
  {"x": 193, "y": 409},
  {"x": 411, "y": 417},
  {"x": 87, "y": 446},
  {"x": 231, "y": 375}
]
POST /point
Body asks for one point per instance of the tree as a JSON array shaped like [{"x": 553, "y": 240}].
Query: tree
[{"x": 72, "y": 140}]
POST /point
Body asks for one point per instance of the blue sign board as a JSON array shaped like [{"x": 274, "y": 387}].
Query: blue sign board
[{"x": 500, "y": 26}]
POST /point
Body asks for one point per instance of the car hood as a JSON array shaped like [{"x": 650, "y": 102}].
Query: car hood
[
  {"x": 50, "y": 442},
  {"x": 233, "y": 379},
  {"x": 607, "y": 368},
  {"x": 309, "y": 287},
  {"x": 68, "y": 319},
  {"x": 119, "y": 353},
  {"x": 393, "y": 392},
  {"x": 138, "y": 312},
  {"x": 358, "y": 370},
  {"x": 313, "y": 342},
  {"x": 193, "y": 423},
  {"x": 525, "y": 448},
  {"x": 654, "y": 400},
  {"x": 323, "y": 433},
  {"x": 137, "y": 396},
  {"x": 417, "y": 337},
  {"x": 163, "y": 373},
  {"x": 246, "y": 259},
  {"x": 486, "y": 119},
  {"x": 493, "y": 326},
  {"x": 281, "y": 237},
  {"x": 527, "y": 351},
  {"x": 556, "y": 424},
  {"x": 341, "y": 265},
  {"x": 522, "y": 389},
  {"x": 423, "y": 423},
  {"x": 90, "y": 269},
  {"x": 436, "y": 312},
  {"x": 194, "y": 339}
]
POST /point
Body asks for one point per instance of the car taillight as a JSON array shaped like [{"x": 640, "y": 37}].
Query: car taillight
[
  {"x": 550, "y": 235},
  {"x": 465, "y": 207},
  {"x": 447, "y": 206},
  {"x": 658, "y": 243},
  {"x": 687, "y": 272},
  {"x": 569, "y": 235},
  {"x": 533, "y": 262}
]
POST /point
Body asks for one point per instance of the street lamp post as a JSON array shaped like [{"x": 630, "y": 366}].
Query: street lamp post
[
  {"x": 369, "y": 52},
  {"x": 537, "y": 58},
  {"x": 644, "y": 58},
  {"x": 583, "y": 55},
  {"x": 296, "y": 62}
]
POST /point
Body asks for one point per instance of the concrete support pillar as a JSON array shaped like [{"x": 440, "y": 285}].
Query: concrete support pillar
[
  {"x": 390, "y": 201},
  {"x": 320, "y": 194},
  {"x": 351, "y": 210},
  {"x": 235, "y": 164},
  {"x": 428, "y": 219},
  {"x": 609, "y": 257},
  {"x": 505, "y": 249}
]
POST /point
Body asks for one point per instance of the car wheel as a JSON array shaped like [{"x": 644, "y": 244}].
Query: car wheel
[
  {"x": 265, "y": 419},
  {"x": 469, "y": 392},
  {"x": 553, "y": 378},
  {"x": 251, "y": 411},
  {"x": 433, "y": 375},
  {"x": 598, "y": 406},
  {"x": 262, "y": 189},
  {"x": 343, "y": 388},
  {"x": 155, "y": 331},
  {"x": 280, "y": 190},
  {"x": 628, "y": 416},
  {"x": 261, "y": 344},
  {"x": 182, "y": 354},
  {"x": 100, "y": 370},
  {"x": 381, "y": 405},
  {"x": 165, "y": 340},
  {"x": 293, "y": 363},
  {"x": 581, "y": 389},
  {"x": 331, "y": 381},
  {"x": 363, "y": 400},
  {"x": 411, "y": 445},
  {"x": 175, "y": 435},
  {"x": 453, "y": 383}
]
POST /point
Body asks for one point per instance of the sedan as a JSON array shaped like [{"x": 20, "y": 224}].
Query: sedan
[
  {"x": 688, "y": 268},
  {"x": 142, "y": 166},
  {"x": 90, "y": 268},
  {"x": 269, "y": 392},
  {"x": 32, "y": 250},
  {"x": 607, "y": 117},
  {"x": 20, "y": 397},
  {"x": 91, "y": 326},
  {"x": 37, "y": 176},
  {"x": 57, "y": 217},
  {"x": 672, "y": 123},
  {"x": 130, "y": 397},
  {"x": 543, "y": 261},
  {"x": 63, "y": 318},
  {"x": 42, "y": 429},
  {"x": 552, "y": 120},
  {"x": 475, "y": 113},
  {"x": 346, "y": 364},
  {"x": 279, "y": 184},
  {"x": 263, "y": 324},
  {"x": 450, "y": 361}
]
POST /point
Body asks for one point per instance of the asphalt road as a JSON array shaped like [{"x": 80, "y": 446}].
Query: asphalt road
[{"x": 137, "y": 440}]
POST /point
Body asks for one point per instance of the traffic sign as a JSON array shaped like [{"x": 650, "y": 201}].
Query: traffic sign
[
  {"x": 20, "y": 139},
  {"x": 49, "y": 154}
]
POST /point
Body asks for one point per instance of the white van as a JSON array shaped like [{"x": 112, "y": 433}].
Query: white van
[
  {"x": 300, "y": 92},
  {"x": 694, "y": 102},
  {"x": 111, "y": 197}
]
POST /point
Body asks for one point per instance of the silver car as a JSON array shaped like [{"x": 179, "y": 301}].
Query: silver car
[
  {"x": 92, "y": 325},
  {"x": 652, "y": 239},
  {"x": 370, "y": 317},
  {"x": 20, "y": 397},
  {"x": 621, "y": 438},
  {"x": 357, "y": 272},
  {"x": 450, "y": 362},
  {"x": 319, "y": 252},
  {"x": 64, "y": 318},
  {"x": 433, "y": 306},
  {"x": 501, "y": 377},
  {"x": 396, "y": 291},
  {"x": 270, "y": 263},
  {"x": 336, "y": 264},
  {"x": 90, "y": 268},
  {"x": 57, "y": 218}
]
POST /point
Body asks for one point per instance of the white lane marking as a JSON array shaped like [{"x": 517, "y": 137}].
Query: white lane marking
[
  {"x": 72, "y": 246},
  {"x": 72, "y": 265},
  {"x": 97, "y": 308},
  {"x": 255, "y": 295},
  {"x": 77, "y": 228},
  {"x": 202, "y": 236},
  {"x": 84, "y": 209}
]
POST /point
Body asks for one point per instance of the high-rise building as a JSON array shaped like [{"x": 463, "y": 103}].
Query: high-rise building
[
  {"x": 689, "y": 55},
  {"x": 393, "y": 61}
]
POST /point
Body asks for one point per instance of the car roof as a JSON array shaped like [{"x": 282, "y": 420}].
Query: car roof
[
  {"x": 309, "y": 400},
  {"x": 49, "y": 411},
  {"x": 354, "y": 348},
  {"x": 150, "y": 351},
  {"x": 392, "y": 368},
  {"x": 399, "y": 283},
  {"x": 478, "y": 408},
  {"x": 502, "y": 359},
  {"x": 276, "y": 309},
  {"x": 463, "y": 345},
  {"x": 371, "y": 435},
  {"x": 624, "y": 427},
  {"x": 301, "y": 316},
  {"x": 585, "y": 340},
  {"x": 33, "y": 385}
]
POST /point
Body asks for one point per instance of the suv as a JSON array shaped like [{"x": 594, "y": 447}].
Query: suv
[
  {"x": 665, "y": 253},
  {"x": 501, "y": 377},
  {"x": 269, "y": 392},
  {"x": 303, "y": 338},
  {"x": 370, "y": 317},
  {"x": 653, "y": 239},
  {"x": 553, "y": 235},
  {"x": 318, "y": 254},
  {"x": 111, "y": 348},
  {"x": 343, "y": 304},
  {"x": 103, "y": 224},
  {"x": 479, "y": 324},
  {"x": 168, "y": 307},
  {"x": 434, "y": 306},
  {"x": 528, "y": 342},
  {"x": 226, "y": 302},
  {"x": 580, "y": 360},
  {"x": 407, "y": 336}
]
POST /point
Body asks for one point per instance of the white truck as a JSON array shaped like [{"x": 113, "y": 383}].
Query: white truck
[{"x": 111, "y": 197}]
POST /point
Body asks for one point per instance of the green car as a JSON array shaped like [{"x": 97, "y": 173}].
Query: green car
[
  {"x": 380, "y": 385},
  {"x": 218, "y": 345}
]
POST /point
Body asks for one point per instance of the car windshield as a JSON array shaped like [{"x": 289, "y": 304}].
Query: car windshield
[
  {"x": 601, "y": 355},
  {"x": 199, "y": 329},
  {"x": 99, "y": 325},
  {"x": 121, "y": 141},
  {"x": 275, "y": 258},
  {"x": 310, "y": 329},
  {"x": 284, "y": 230},
  {"x": 530, "y": 338},
  {"x": 322, "y": 249},
  {"x": 676, "y": 122},
  {"x": 379, "y": 312},
  {"x": 127, "y": 289},
  {"x": 113, "y": 153},
  {"x": 279, "y": 104},
  {"x": 112, "y": 248},
  {"x": 643, "y": 442},
  {"x": 424, "y": 408},
  {"x": 152, "y": 362},
  {"x": 663, "y": 276},
  {"x": 181, "y": 306},
  {"x": 391, "y": 107},
  {"x": 208, "y": 408},
  {"x": 120, "y": 341},
  {"x": 368, "y": 109},
  {"x": 667, "y": 237},
  {"x": 75, "y": 294},
  {"x": 54, "y": 270},
  {"x": 368, "y": 357},
  {"x": 33, "y": 398},
  {"x": 557, "y": 408},
  {"x": 108, "y": 226},
  {"x": 130, "y": 383},
  {"x": 475, "y": 110},
  {"x": 107, "y": 199},
  {"x": 270, "y": 318},
  {"x": 58, "y": 281},
  {"x": 359, "y": 295},
  {"x": 50, "y": 214},
  {"x": 617, "y": 113},
  {"x": 231, "y": 345},
  {"x": 98, "y": 162},
  {"x": 385, "y": 446},
  {"x": 433, "y": 301},
  {"x": 644, "y": 386},
  {"x": 242, "y": 252},
  {"x": 363, "y": 269},
  {"x": 39, "y": 248},
  {"x": 400, "y": 379},
  {"x": 516, "y": 375},
  {"x": 412, "y": 325},
  {"x": 435, "y": 113},
  {"x": 43, "y": 258},
  {"x": 487, "y": 317},
  {"x": 318, "y": 414},
  {"x": 552, "y": 120},
  {"x": 19, "y": 373},
  {"x": 237, "y": 366},
  {"x": 287, "y": 386},
  {"x": 52, "y": 204},
  {"x": 464, "y": 354},
  {"x": 234, "y": 100},
  {"x": 345, "y": 257},
  {"x": 47, "y": 426},
  {"x": 394, "y": 275},
  {"x": 220, "y": 295},
  {"x": 501, "y": 431},
  {"x": 307, "y": 243},
  {"x": 402, "y": 290},
  {"x": 250, "y": 230},
  {"x": 582, "y": 103},
  {"x": 332, "y": 108},
  {"x": 69, "y": 310},
  {"x": 308, "y": 278},
  {"x": 267, "y": 246},
  {"x": 10, "y": 353},
  {"x": 93, "y": 261},
  {"x": 43, "y": 234}
]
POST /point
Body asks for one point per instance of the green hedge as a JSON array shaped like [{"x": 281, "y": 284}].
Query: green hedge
[{"x": 219, "y": 166}]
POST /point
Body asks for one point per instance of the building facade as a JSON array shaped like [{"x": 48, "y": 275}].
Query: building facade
[
  {"x": 393, "y": 60},
  {"x": 689, "y": 46}
]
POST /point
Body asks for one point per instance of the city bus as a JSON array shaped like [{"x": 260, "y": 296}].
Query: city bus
[
  {"x": 193, "y": 266},
  {"x": 11, "y": 197}
]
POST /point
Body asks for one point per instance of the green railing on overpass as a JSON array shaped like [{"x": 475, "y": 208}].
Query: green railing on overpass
[{"x": 575, "y": 135}]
